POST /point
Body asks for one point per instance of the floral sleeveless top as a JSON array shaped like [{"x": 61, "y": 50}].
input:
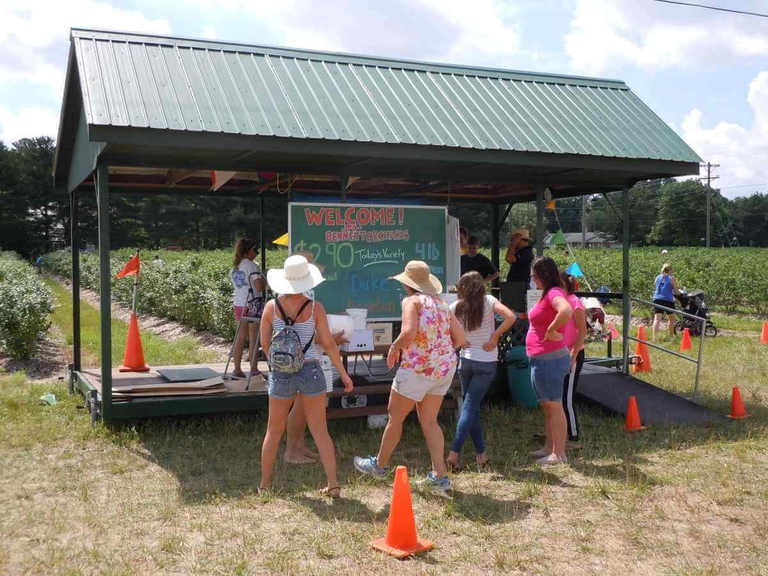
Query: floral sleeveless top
[{"x": 431, "y": 354}]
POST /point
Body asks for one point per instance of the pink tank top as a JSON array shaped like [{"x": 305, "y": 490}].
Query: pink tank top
[{"x": 431, "y": 354}]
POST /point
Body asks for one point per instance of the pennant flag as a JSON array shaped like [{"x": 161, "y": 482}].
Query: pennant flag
[
  {"x": 558, "y": 238},
  {"x": 131, "y": 268},
  {"x": 575, "y": 270},
  {"x": 550, "y": 205},
  {"x": 282, "y": 240},
  {"x": 219, "y": 178},
  {"x": 265, "y": 176}
]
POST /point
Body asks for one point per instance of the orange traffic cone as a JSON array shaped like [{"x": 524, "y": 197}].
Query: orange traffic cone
[
  {"x": 633, "y": 423},
  {"x": 133, "y": 361},
  {"x": 641, "y": 350},
  {"x": 401, "y": 540},
  {"x": 737, "y": 405},
  {"x": 614, "y": 333},
  {"x": 764, "y": 336},
  {"x": 685, "y": 343}
]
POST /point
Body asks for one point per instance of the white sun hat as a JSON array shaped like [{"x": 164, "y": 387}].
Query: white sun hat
[{"x": 295, "y": 277}]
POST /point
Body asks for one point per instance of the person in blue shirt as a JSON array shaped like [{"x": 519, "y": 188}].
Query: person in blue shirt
[{"x": 665, "y": 290}]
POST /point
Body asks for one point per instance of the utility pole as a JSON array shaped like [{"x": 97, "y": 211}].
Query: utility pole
[
  {"x": 583, "y": 221},
  {"x": 709, "y": 167}
]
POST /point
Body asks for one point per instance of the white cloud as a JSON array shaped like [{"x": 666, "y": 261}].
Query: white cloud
[
  {"x": 607, "y": 35},
  {"x": 34, "y": 40},
  {"x": 742, "y": 152},
  {"x": 27, "y": 122},
  {"x": 477, "y": 32}
]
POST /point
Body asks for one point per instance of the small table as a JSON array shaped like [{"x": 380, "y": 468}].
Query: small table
[{"x": 378, "y": 349}]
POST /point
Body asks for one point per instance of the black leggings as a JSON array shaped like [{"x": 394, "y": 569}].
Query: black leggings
[{"x": 570, "y": 383}]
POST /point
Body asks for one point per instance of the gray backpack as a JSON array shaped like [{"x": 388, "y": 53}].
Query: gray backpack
[{"x": 286, "y": 354}]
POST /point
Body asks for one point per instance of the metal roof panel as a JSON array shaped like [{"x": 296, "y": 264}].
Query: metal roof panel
[{"x": 145, "y": 81}]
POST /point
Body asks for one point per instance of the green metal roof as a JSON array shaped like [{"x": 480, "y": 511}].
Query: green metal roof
[{"x": 191, "y": 85}]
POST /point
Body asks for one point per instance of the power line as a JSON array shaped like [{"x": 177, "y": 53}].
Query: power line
[
  {"x": 745, "y": 186},
  {"x": 717, "y": 8}
]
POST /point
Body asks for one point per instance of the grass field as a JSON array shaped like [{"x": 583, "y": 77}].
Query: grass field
[
  {"x": 157, "y": 351},
  {"x": 170, "y": 496}
]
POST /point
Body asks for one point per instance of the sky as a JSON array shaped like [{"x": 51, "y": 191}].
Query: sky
[{"x": 703, "y": 72}]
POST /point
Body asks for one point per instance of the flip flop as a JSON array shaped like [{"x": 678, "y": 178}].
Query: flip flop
[{"x": 333, "y": 492}]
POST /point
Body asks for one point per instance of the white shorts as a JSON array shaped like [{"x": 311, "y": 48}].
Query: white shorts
[{"x": 415, "y": 386}]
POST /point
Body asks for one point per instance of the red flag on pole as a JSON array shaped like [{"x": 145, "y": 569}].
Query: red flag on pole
[{"x": 131, "y": 268}]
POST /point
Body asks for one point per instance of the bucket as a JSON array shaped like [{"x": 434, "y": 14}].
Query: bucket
[{"x": 358, "y": 316}]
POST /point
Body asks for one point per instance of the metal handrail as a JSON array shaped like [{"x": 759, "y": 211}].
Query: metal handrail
[{"x": 702, "y": 321}]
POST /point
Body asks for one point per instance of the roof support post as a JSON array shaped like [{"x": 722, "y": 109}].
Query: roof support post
[
  {"x": 626, "y": 304},
  {"x": 263, "y": 235},
  {"x": 495, "y": 239},
  {"x": 105, "y": 275},
  {"x": 540, "y": 221},
  {"x": 74, "y": 236},
  {"x": 507, "y": 210}
]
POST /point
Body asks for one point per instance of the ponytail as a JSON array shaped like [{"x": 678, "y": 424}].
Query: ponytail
[{"x": 241, "y": 249}]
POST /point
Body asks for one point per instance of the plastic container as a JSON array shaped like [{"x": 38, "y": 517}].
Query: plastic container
[
  {"x": 341, "y": 323},
  {"x": 519, "y": 378},
  {"x": 359, "y": 316}
]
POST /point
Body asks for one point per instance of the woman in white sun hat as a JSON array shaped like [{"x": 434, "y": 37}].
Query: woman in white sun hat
[
  {"x": 426, "y": 351},
  {"x": 288, "y": 316}
]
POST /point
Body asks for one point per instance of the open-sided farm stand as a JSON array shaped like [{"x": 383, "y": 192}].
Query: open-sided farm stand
[{"x": 154, "y": 115}]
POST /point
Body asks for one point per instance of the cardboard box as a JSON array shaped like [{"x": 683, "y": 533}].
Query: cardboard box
[{"x": 382, "y": 333}]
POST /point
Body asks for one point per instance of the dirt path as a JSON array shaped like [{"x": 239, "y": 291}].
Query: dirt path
[
  {"x": 163, "y": 327},
  {"x": 49, "y": 361}
]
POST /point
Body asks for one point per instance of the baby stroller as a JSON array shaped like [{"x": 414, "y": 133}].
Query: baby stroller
[
  {"x": 595, "y": 318},
  {"x": 693, "y": 303}
]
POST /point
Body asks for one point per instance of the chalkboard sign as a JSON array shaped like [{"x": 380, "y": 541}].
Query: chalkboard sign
[{"x": 360, "y": 246}]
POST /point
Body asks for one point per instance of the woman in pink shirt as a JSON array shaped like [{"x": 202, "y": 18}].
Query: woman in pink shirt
[
  {"x": 575, "y": 334},
  {"x": 549, "y": 356}
]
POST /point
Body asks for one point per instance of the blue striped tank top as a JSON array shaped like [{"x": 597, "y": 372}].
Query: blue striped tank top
[{"x": 305, "y": 330}]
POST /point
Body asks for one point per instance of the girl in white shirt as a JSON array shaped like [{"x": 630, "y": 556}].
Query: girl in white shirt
[
  {"x": 249, "y": 285},
  {"x": 475, "y": 312}
]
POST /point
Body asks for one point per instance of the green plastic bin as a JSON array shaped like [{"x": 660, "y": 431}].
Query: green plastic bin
[{"x": 519, "y": 377}]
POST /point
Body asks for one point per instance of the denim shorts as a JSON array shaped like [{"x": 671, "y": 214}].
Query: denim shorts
[
  {"x": 309, "y": 381},
  {"x": 547, "y": 377}
]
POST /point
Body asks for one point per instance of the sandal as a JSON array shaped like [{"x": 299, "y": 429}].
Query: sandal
[
  {"x": 454, "y": 467},
  {"x": 331, "y": 491}
]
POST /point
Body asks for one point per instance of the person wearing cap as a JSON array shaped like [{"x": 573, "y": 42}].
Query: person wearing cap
[
  {"x": 310, "y": 322},
  {"x": 426, "y": 347},
  {"x": 473, "y": 261},
  {"x": 519, "y": 256},
  {"x": 249, "y": 285}
]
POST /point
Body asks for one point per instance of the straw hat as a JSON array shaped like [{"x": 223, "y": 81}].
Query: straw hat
[
  {"x": 295, "y": 277},
  {"x": 522, "y": 232},
  {"x": 418, "y": 277}
]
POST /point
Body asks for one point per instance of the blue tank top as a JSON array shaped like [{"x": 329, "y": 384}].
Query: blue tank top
[{"x": 664, "y": 289}]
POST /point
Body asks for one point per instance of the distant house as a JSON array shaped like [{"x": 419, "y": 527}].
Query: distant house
[{"x": 594, "y": 240}]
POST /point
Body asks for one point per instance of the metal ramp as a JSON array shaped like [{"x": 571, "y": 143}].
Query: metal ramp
[{"x": 610, "y": 389}]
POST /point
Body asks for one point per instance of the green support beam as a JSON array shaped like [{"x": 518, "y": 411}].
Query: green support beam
[
  {"x": 626, "y": 304},
  {"x": 105, "y": 276},
  {"x": 539, "y": 221},
  {"x": 495, "y": 239},
  {"x": 75, "y": 242}
]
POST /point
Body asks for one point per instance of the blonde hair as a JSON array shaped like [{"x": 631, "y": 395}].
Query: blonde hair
[
  {"x": 667, "y": 268},
  {"x": 241, "y": 249}
]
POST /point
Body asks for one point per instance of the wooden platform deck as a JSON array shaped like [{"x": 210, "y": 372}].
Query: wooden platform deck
[{"x": 375, "y": 389}]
